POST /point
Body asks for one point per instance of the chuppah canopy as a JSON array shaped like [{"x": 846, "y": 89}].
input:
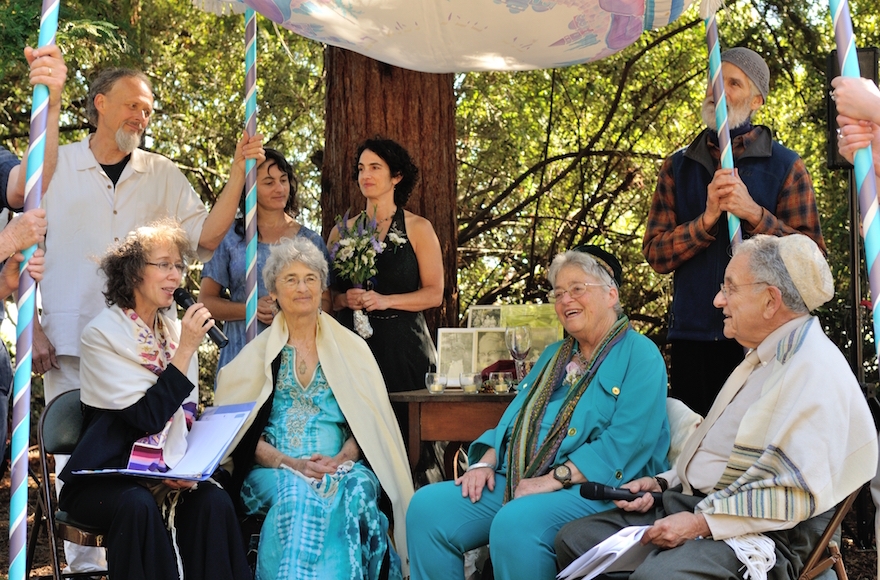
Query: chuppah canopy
[{"x": 442, "y": 36}]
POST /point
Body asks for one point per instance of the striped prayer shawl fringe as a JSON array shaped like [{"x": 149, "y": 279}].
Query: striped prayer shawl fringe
[{"x": 525, "y": 457}]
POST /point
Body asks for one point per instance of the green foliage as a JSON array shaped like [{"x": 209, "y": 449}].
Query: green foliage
[
  {"x": 547, "y": 159},
  {"x": 196, "y": 64},
  {"x": 550, "y": 159}
]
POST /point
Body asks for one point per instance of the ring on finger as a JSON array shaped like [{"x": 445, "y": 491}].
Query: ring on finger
[{"x": 50, "y": 70}]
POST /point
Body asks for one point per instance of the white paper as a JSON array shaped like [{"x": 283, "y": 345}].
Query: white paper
[
  {"x": 206, "y": 444},
  {"x": 622, "y": 552}
]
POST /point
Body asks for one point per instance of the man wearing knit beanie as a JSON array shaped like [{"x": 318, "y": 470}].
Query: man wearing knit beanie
[{"x": 769, "y": 190}]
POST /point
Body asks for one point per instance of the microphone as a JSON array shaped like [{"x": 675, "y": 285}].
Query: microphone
[
  {"x": 185, "y": 300},
  {"x": 593, "y": 490}
]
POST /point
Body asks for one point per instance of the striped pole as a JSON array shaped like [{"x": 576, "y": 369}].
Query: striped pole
[
  {"x": 21, "y": 406},
  {"x": 864, "y": 166},
  {"x": 733, "y": 225},
  {"x": 250, "y": 200}
]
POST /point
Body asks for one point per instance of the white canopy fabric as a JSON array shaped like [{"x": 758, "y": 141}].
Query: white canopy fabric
[{"x": 442, "y": 36}]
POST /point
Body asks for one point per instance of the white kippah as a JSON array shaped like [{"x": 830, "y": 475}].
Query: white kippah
[{"x": 808, "y": 269}]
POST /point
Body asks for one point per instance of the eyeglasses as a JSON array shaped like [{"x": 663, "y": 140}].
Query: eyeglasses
[
  {"x": 294, "y": 281},
  {"x": 729, "y": 289},
  {"x": 575, "y": 291},
  {"x": 168, "y": 267}
]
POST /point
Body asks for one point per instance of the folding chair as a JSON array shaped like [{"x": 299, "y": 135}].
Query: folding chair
[
  {"x": 57, "y": 433},
  {"x": 826, "y": 553}
]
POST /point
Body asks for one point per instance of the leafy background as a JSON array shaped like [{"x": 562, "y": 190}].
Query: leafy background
[{"x": 546, "y": 159}]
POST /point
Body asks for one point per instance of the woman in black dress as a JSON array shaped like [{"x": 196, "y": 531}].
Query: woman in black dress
[{"x": 410, "y": 269}]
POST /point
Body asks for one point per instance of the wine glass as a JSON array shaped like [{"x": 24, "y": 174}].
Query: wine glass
[{"x": 519, "y": 343}]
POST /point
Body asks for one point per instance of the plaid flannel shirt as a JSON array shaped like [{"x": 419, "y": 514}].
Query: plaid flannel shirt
[{"x": 667, "y": 244}]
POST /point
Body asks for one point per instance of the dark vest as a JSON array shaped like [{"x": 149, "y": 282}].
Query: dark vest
[{"x": 763, "y": 167}]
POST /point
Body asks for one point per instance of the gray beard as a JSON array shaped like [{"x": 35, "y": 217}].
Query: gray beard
[
  {"x": 127, "y": 141},
  {"x": 736, "y": 116}
]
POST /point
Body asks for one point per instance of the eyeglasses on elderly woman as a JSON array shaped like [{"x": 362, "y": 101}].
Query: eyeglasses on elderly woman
[
  {"x": 292, "y": 280},
  {"x": 575, "y": 291}
]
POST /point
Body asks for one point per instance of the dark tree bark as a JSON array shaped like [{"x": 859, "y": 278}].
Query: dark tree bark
[{"x": 366, "y": 98}]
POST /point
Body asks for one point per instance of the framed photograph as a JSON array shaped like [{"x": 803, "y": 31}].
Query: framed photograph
[
  {"x": 490, "y": 347},
  {"x": 455, "y": 353},
  {"x": 542, "y": 337},
  {"x": 531, "y": 315},
  {"x": 484, "y": 316},
  {"x": 542, "y": 321}
]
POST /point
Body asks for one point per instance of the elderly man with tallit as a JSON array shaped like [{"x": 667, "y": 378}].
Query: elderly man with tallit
[{"x": 788, "y": 437}]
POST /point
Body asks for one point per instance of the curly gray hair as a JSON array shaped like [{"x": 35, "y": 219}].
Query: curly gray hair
[{"x": 290, "y": 250}]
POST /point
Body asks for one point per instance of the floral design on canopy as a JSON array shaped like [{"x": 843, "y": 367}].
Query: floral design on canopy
[{"x": 467, "y": 35}]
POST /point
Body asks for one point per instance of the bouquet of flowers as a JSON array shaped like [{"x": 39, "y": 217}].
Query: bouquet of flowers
[{"x": 354, "y": 258}]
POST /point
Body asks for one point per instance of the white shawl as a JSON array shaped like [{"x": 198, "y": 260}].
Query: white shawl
[
  {"x": 357, "y": 384},
  {"x": 112, "y": 375}
]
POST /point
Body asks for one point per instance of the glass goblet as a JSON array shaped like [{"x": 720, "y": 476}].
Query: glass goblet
[{"x": 519, "y": 343}]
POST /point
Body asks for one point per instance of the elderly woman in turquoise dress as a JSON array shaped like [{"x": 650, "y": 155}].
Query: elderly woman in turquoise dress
[
  {"x": 322, "y": 442},
  {"x": 593, "y": 408}
]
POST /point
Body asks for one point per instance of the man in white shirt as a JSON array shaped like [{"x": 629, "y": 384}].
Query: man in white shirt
[
  {"x": 788, "y": 437},
  {"x": 105, "y": 187}
]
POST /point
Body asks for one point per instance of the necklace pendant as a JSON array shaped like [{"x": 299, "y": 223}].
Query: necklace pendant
[{"x": 301, "y": 366}]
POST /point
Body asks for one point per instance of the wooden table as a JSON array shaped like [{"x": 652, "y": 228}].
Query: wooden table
[{"x": 449, "y": 416}]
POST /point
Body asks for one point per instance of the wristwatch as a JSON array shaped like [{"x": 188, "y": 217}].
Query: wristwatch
[{"x": 562, "y": 474}]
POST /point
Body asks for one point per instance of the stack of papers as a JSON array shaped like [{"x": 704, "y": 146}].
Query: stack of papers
[
  {"x": 622, "y": 552},
  {"x": 206, "y": 445}
]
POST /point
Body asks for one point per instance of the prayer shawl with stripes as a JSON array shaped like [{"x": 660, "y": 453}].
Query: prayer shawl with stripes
[{"x": 805, "y": 444}]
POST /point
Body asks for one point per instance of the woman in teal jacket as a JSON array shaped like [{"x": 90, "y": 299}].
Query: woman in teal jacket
[{"x": 592, "y": 409}]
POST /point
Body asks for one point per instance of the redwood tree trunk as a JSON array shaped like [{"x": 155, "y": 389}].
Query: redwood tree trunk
[{"x": 366, "y": 98}]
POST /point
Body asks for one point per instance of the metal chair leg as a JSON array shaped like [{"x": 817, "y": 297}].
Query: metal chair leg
[{"x": 39, "y": 522}]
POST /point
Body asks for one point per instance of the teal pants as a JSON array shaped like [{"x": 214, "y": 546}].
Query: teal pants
[{"x": 441, "y": 526}]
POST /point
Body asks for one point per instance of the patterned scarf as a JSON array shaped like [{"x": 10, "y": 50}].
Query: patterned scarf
[
  {"x": 525, "y": 456},
  {"x": 155, "y": 350}
]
